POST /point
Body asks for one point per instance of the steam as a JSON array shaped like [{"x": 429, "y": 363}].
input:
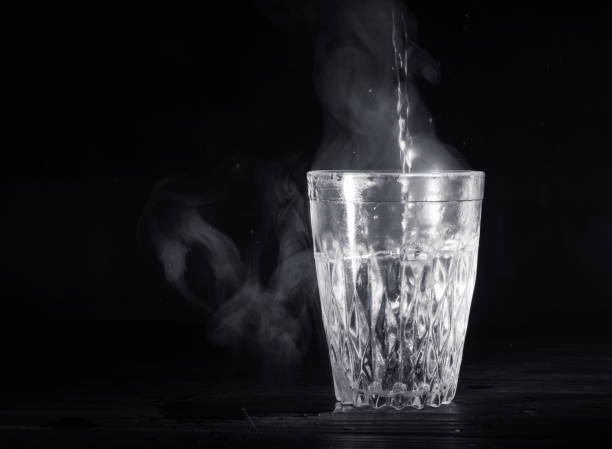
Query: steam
[
  {"x": 366, "y": 67},
  {"x": 180, "y": 235},
  {"x": 374, "y": 118},
  {"x": 274, "y": 315}
]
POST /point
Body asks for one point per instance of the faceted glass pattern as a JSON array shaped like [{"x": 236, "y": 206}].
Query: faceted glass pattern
[{"x": 396, "y": 280}]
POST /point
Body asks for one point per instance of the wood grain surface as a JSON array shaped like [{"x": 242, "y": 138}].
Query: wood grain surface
[{"x": 539, "y": 393}]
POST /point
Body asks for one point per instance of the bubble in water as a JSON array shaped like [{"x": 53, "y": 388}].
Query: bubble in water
[{"x": 414, "y": 251}]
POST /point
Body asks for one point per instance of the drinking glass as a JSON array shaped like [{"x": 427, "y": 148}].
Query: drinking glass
[{"x": 396, "y": 257}]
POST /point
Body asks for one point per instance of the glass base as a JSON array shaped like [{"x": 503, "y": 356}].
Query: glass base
[{"x": 396, "y": 401}]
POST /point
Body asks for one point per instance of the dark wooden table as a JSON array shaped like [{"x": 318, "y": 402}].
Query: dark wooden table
[{"x": 536, "y": 393}]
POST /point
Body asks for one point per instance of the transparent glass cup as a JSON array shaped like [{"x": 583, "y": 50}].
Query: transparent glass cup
[{"x": 396, "y": 257}]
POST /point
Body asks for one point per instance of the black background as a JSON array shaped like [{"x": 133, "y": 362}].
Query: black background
[{"x": 101, "y": 102}]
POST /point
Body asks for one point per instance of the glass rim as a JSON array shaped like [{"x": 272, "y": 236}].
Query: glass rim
[
  {"x": 396, "y": 174},
  {"x": 392, "y": 186}
]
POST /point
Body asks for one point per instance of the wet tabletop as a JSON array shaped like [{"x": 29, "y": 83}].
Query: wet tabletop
[{"x": 530, "y": 393}]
